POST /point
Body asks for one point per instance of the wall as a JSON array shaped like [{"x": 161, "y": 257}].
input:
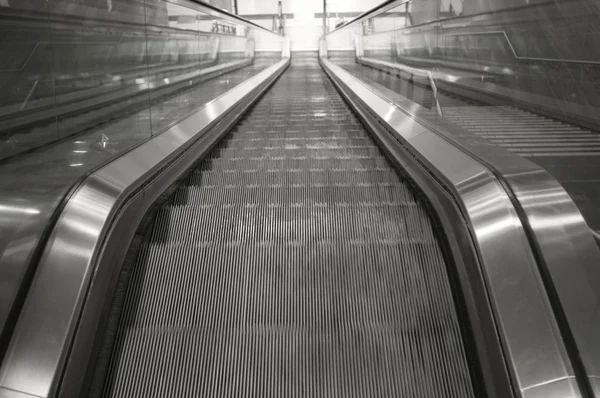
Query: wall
[{"x": 304, "y": 30}]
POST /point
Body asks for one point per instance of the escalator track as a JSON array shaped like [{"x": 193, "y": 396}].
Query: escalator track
[{"x": 294, "y": 261}]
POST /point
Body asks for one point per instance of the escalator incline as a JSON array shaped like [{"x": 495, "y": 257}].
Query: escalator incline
[{"x": 295, "y": 261}]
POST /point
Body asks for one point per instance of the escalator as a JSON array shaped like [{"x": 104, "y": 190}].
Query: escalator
[
  {"x": 295, "y": 260},
  {"x": 315, "y": 227}
]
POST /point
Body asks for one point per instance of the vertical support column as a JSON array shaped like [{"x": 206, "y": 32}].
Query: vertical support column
[
  {"x": 410, "y": 88},
  {"x": 322, "y": 48},
  {"x": 358, "y": 49},
  {"x": 286, "y": 51},
  {"x": 250, "y": 47},
  {"x": 322, "y": 41},
  {"x": 281, "y": 18},
  {"x": 324, "y": 18},
  {"x": 215, "y": 48}
]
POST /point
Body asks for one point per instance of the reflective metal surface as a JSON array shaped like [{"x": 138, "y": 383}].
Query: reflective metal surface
[
  {"x": 528, "y": 328},
  {"x": 82, "y": 83},
  {"x": 36, "y": 353},
  {"x": 571, "y": 258}
]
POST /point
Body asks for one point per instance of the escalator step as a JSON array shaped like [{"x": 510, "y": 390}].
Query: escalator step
[
  {"x": 285, "y": 163},
  {"x": 287, "y": 177}
]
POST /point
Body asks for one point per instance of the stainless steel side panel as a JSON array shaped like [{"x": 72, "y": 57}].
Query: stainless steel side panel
[
  {"x": 50, "y": 314},
  {"x": 530, "y": 334},
  {"x": 571, "y": 257},
  {"x": 568, "y": 247}
]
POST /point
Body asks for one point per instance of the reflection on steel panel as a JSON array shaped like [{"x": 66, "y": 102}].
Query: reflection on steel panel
[
  {"x": 528, "y": 328},
  {"x": 84, "y": 82}
]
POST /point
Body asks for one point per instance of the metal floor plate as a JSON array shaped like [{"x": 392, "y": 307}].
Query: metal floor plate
[{"x": 294, "y": 262}]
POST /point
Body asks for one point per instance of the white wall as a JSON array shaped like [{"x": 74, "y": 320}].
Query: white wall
[
  {"x": 246, "y": 7},
  {"x": 351, "y": 5},
  {"x": 267, "y": 42},
  {"x": 304, "y": 30},
  {"x": 342, "y": 40},
  {"x": 270, "y": 6}
]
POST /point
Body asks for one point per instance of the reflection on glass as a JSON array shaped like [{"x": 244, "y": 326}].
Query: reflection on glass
[
  {"x": 71, "y": 66},
  {"x": 192, "y": 47},
  {"x": 23, "y": 55},
  {"x": 519, "y": 74},
  {"x": 85, "y": 80}
]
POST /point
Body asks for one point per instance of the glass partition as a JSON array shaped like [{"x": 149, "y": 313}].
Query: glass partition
[
  {"x": 85, "y": 80},
  {"x": 518, "y": 74},
  {"x": 69, "y": 66}
]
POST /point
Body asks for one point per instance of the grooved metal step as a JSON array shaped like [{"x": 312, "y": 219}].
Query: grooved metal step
[
  {"x": 313, "y": 161},
  {"x": 294, "y": 262}
]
